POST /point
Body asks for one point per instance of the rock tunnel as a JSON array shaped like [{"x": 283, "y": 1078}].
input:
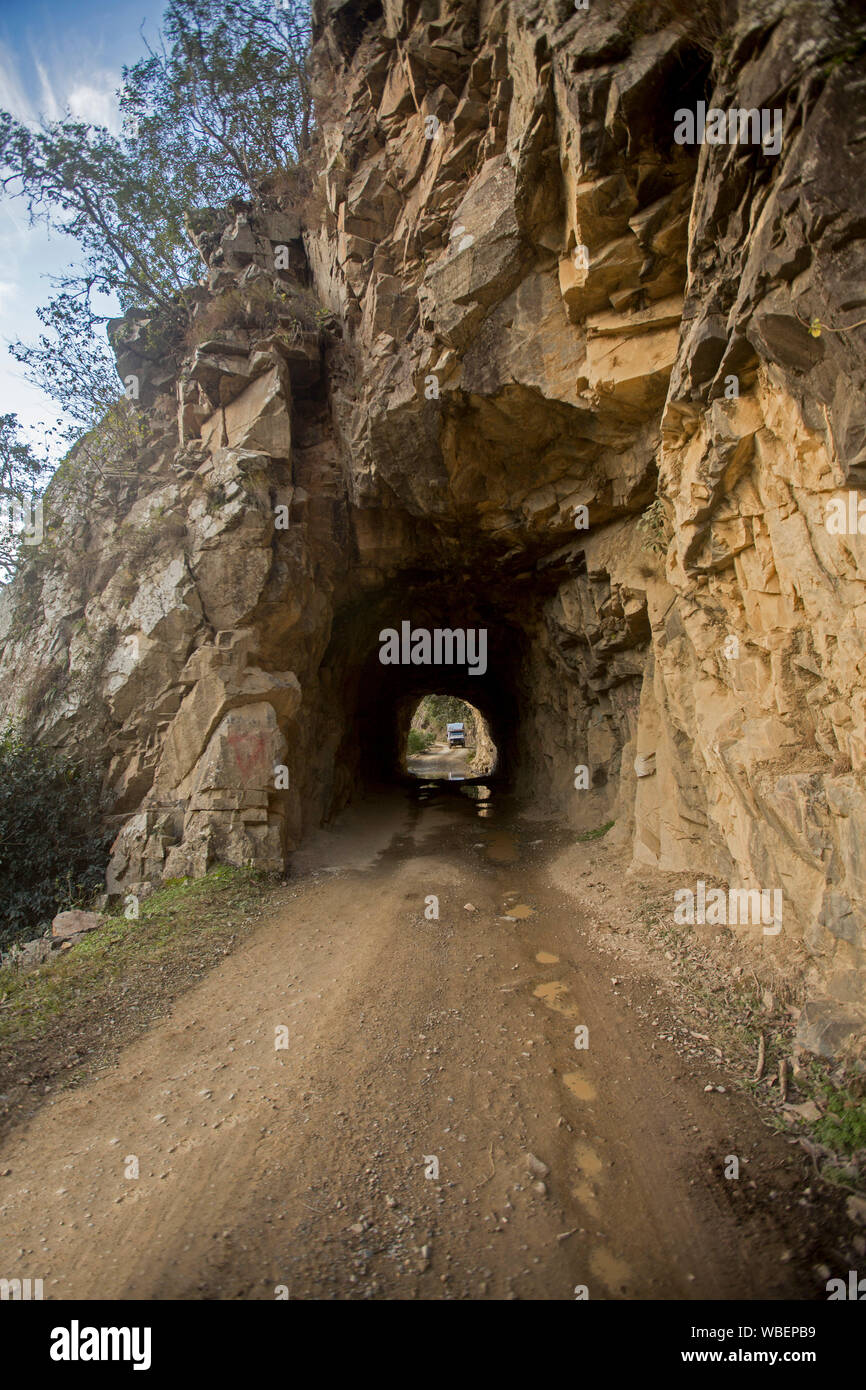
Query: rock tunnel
[
  {"x": 551, "y": 382},
  {"x": 550, "y": 703},
  {"x": 379, "y": 698}
]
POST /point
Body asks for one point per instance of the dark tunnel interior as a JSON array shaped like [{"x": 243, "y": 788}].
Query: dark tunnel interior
[{"x": 377, "y": 700}]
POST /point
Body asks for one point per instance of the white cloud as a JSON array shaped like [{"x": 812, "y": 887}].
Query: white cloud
[
  {"x": 95, "y": 101},
  {"x": 49, "y": 107},
  {"x": 86, "y": 90},
  {"x": 13, "y": 96}
]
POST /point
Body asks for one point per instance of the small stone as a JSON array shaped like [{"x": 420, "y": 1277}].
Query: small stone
[
  {"x": 808, "y": 1111},
  {"x": 856, "y": 1209},
  {"x": 536, "y": 1166}
]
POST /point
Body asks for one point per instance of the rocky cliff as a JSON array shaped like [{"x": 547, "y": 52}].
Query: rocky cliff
[{"x": 526, "y": 360}]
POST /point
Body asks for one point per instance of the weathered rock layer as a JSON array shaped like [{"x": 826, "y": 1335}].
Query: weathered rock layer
[{"x": 561, "y": 385}]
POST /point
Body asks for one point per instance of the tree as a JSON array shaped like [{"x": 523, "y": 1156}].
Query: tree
[
  {"x": 125, "y": 213},
  {"x": 74, "y": 363},
  {"x": 21, "y": 474},
  {"x": 53, "y": 847},
  {"x": 227, "y": 95},
  {"x": 221, "y": 104}
]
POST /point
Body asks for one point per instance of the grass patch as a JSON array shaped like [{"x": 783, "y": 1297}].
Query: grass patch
[
  {"x": 263, "y": 306},
  {"x": 171, "y": 924},
  {"x": 418, "y": 741},
  {"x": 843, "y": 1127},
  {"x": 65, "y": 1020},
  {"x": 597, "y": 833}
]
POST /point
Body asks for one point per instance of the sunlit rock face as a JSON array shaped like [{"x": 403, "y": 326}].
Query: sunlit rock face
[{"x": 562, "y": 376}]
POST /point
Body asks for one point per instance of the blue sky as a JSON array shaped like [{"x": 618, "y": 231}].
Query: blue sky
[{"x": 54, "y": 55}]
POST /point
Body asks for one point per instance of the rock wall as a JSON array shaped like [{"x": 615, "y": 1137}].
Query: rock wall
[{"x": 525, "y": 363}]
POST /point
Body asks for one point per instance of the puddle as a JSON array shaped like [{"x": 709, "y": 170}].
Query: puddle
[
  {"x": 588, "y": 1161},
  {"x": 584, "y": 1194},
  {"x": 520, "y": 911},
  {"x": 579, "y": 1086},
  {"x": 545, "y": 958},
  {"x": 502, "y": 847},
  {"x": 551, "y": 992},
  {"x": 612, "y": 1272},
  {"x": 478, "y": 792}
]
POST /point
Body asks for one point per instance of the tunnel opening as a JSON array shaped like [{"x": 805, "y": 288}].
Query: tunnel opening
[
  {"x": 557, "y": 685},
  {"x": 367, "y": 694},
  {"x": 447, "y": 738}
]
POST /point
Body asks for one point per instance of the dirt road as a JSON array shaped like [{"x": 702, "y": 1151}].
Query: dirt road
[
  {"x": 442, "y": 761},
  {"x": 429, "y": 1128}
]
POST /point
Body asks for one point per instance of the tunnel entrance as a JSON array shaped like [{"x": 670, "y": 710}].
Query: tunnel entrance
[
  {"x": 510, "y": 642},
  {"x": 422, "y": 635},
  {"x": 448, "y": 739}
]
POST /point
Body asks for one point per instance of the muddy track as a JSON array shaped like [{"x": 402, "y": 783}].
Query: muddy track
[{"x": 429, "y": 1128}]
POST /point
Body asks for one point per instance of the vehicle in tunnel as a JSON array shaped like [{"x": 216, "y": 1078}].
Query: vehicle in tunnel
[{"x": 456, "y": 734}]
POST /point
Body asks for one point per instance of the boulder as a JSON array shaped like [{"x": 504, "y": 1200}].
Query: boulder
[{"x": 74, "y": 923}]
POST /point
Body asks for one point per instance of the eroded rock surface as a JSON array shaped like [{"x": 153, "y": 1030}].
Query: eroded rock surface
[{"x": 538, "y": 368}]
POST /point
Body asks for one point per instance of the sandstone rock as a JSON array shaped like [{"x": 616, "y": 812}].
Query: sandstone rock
[
  {"x": 824, "y": 1026},
  {"x": 565, "y": 391},
  {"x": 74, "y": 923},
  {"x": 27, "y": 955}
]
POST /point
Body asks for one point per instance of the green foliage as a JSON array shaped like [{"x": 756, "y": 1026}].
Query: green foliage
[
  {"x": 418, "y": 742},
  {"x": 259, "y": 306},
  {"x": 843, "y": 1127},
  {"x": 53, "y": 848},
  {"x": 125, "y": 213},
  {"x": 184, "y": 924},
  {"x": 73, "y": 363},
  {"x": 652, "y": 526},
  {"x": 705, "y": 22},
  {"x": 221, "y": 104},
  {"x": 435, "y": 711},
  {"x": 597, "y": 834},
  {"x": 226, "y": 98},
  {"x": 851, "y": 52}
]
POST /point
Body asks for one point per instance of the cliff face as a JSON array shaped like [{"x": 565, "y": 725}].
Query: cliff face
[{"x": 562, "y": 385}]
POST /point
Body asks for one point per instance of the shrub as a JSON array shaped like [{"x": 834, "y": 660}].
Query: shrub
[
  {"x": 651, "y": 525},
  {"x": 418, "y": 742},
  {"x": 263, "y": 306},
  {"x": 53, "y": 844}
]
